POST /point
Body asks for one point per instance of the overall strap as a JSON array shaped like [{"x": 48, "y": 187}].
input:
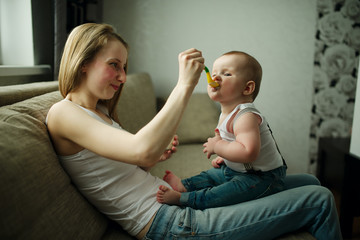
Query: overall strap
[{"x": 277, "y": 147}]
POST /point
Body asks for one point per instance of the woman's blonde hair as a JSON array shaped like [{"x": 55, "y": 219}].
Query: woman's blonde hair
[{"x": 83, "y": 43}]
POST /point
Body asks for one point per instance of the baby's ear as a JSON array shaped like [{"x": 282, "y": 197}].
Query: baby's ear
[{"x": 250, "y": 88}]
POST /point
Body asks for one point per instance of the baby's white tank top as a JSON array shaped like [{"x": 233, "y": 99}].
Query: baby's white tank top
[{"x": 269, "y": 157}]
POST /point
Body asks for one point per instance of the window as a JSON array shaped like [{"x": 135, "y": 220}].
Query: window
[
  {"x": 26, "y": 42},
  {"x": 16, "y": 33}
]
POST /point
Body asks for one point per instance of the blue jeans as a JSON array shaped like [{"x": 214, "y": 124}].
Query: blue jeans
[
  {"x": 223, "y": 186},
  {"x": 300, "y": 206}
]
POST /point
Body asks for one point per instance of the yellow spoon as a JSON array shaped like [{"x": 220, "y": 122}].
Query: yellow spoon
[{"x": 210, "y": 81}]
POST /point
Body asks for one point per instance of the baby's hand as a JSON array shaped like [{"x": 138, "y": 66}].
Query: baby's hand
[
  {"x": 210, "y": 144},
  {"x": 217, "y": 162}
]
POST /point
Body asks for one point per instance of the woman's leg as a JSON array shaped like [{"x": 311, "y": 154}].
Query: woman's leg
[
  {"x": 311, "y": 207},
  {"x": 298, "y": 180}
]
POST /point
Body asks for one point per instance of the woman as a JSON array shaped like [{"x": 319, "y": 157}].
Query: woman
[{"x": 107, "y": 163}]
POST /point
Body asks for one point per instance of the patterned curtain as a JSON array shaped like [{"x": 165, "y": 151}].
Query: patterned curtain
[{"x": 335, "y": 71}]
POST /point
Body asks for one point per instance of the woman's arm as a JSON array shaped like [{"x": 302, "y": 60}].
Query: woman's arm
[
  {"x": 168, "y": 152},
  {"x": 68, "y": 124},
  {"x": 163, "y": 127}
]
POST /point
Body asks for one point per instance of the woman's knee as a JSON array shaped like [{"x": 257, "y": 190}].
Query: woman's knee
[{"x": 298, "y": 180}]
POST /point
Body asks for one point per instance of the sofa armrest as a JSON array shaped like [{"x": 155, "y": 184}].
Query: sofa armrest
[{"x": 16, "y": 93}]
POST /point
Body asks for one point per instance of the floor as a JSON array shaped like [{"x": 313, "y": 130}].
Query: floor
[{"x": 356, "y": 225}]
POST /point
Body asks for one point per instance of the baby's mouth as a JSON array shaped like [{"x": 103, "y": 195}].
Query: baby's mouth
[{"x": 214, "y": 89}]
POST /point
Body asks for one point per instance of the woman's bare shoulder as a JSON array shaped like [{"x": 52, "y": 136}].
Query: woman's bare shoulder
[
  {"x": 60, "y": 106},
  {"x": 63, "y": 108},
  {"x": 64, "y": 113}
]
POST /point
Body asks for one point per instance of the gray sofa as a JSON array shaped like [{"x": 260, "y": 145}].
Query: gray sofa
[{"x": 38, "y": 199}]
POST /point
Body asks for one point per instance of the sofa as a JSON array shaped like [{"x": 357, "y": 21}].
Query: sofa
[{"x": 38, "y": 199}]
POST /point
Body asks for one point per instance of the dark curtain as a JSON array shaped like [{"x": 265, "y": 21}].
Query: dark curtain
[
  {"x": 43, "y": 31},
  {"x": 60, "y": 34},
  {"x": 52, "y": 21}
]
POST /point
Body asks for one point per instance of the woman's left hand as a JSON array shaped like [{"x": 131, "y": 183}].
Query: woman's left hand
[{"x": 168, "y": 152}]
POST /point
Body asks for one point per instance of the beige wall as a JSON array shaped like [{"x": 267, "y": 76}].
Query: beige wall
[{"x": 279, "y": 33}]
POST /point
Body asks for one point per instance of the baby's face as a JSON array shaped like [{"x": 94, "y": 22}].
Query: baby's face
[
  {"x": 231, "y": 63},
  {"x": 231, "y": 74}
]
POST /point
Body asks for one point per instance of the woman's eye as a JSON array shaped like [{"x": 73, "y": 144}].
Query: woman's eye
[{"x": 114, "y": 64}]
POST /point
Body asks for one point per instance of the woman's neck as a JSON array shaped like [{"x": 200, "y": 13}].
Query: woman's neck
[{"x": 82, "y": 100}]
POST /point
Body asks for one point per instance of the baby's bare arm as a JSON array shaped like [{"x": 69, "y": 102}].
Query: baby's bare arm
[{"x": 246, "y": 146}]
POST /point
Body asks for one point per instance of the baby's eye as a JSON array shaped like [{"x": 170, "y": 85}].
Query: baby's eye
[{"x": 227, "y": 74}]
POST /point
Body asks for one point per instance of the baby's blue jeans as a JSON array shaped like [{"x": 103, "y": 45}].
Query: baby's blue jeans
[
  {"x": 302, "y": 205},
  {"x": 223, "y": 186}
]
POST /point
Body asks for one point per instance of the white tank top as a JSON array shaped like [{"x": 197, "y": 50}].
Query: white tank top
[
  {"x": 269, "y": 157},
  {"x": 123, "y": 192}
]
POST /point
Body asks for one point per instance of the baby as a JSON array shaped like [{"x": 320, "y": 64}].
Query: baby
[{"x": 248, "y": 163}]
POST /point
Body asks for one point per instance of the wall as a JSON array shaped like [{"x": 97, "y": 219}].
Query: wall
[{"x": 279, "y": 33}]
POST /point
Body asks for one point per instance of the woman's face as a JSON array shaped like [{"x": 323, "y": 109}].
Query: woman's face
[{"x": 106, "y": 72}]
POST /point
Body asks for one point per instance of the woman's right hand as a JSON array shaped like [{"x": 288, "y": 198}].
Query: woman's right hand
[{"x": 191, "y": 64}]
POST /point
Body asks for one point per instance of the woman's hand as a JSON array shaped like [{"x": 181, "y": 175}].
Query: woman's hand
[
  {"x": 168, "y": 152},
  {"x": 210, "y": 144},
  {"x": 191, "y": 64}
]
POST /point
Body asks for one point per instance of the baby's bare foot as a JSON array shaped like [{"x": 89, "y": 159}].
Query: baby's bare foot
[
  {"x": 174, "y": 181},
  {"x": 168, "y": 196}
]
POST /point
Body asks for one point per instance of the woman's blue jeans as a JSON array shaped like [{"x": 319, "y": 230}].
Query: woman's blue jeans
[
  {"x": 223, "y": 186},
  {"x": 304, "y": 204}
]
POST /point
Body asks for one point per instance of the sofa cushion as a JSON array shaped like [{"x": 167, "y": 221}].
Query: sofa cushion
[
  {"x": 199, "y": 120},
  {"x": 137, "y": 104},
  {"x": 189, "y": 160},
  {"x": 38, "y": 199}
]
